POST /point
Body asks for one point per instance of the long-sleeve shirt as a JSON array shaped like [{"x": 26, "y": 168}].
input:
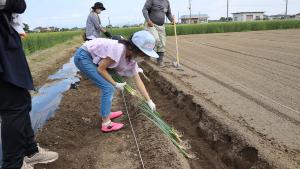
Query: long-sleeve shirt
[
  {"x": 13, "y": 65},
  {"x": 157, "y": 10},
  {"x": 17, "y": 24},
  {"x": 2, "y": 4},
  {"x": 93, "y": 26}
]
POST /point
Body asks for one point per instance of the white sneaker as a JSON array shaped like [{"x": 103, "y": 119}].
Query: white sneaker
[
  {"x": 26, "y": 166},
  {"x": 42, "y": 157}
]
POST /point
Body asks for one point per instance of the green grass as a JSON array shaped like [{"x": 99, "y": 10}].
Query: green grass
[
  {"x": 126, "y": 32},
  {"x": 39, "y": 41},
  {"x": 219, "y": 27}
]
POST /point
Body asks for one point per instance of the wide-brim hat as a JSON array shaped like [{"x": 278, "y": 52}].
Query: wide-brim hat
[
  {"x": 99, "y": 5},
  {"x": 145, "y": 41}
]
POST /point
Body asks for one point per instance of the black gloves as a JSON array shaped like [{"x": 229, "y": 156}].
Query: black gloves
[{"x": 107, "y": 34}]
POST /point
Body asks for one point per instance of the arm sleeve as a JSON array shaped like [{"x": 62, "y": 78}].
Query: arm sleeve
[
  {"x": 17, "y": 24},
  {"x": 169, "y": 13},
  {"x": 2, "y": 4},
  {"x": 15, "y": 6},
  {"x": 146, "y": 9},
  {"x": 96, "y": 21}
]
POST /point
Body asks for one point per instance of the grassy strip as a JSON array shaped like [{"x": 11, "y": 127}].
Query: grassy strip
[
  {"x": 39, "y": 41},
  {"x": 219, "y": 27}
]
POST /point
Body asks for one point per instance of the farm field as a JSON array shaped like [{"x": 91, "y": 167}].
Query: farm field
[
  {"x": 38, "y": 41},
  {"x": 236, "y": 100},
  {"x": 217, "y": 27},
  {"x": 152, "y": 84},
  {"x": 253, "y": 80}
]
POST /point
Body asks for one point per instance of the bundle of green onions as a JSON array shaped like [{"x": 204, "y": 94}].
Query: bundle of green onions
[{"x": 154, "y": 116}]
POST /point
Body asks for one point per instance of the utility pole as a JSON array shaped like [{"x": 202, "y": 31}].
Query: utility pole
[
  {"x": 110, "y": 26},
  {"x": 190, "y": 8},
  {"x": 227, "y": 10},
  {"x": 178, "y": 18},
  {"x": 286, "y": 8}
]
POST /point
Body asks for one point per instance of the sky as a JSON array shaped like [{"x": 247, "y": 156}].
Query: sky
[{"x": 73, "y": 13}]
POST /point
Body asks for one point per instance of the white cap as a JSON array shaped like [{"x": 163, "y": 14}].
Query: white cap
[{"x": 145, "y": 41}]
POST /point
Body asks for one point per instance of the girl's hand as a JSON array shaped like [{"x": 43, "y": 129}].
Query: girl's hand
[
  {"x": 120, "y": 86},
  {"x": 151, "y": 105}
]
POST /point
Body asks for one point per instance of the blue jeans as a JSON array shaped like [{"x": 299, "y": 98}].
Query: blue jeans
[{"x": 83, "y": 61}]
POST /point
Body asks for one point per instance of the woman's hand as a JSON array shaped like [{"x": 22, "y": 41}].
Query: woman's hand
[
  {"x": 150, "y": 23},
  {"x": 120, "y": 86},
  {"x": 107, "y": 34},
  {"x": 151, "y": 105},
  {"x": 142, "y": 89}
]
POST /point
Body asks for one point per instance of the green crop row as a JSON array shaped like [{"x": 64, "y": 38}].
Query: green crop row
[
  {"x": 38, "y": 41},
  {"x": 219, "y": 27}
]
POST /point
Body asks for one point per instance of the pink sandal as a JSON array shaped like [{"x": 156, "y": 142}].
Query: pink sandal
[
  {"x": 114, "y": 115},
  {"x": 112, "y": 127}
]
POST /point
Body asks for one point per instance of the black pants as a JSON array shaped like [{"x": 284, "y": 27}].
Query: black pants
[{"x": 16, "y": 131}]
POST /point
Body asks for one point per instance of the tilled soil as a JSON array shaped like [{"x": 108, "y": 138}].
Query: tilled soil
[
  {"x": 248, "y": 83},
  {"x": 236, "y": 106},
  {"x": 74, "y": 133}
]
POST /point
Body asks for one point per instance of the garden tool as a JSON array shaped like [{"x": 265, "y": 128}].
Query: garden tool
[{"x": 176, "y": 63}]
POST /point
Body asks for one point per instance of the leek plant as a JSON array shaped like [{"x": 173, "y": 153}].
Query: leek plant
[{"x": 154, "y": 116}]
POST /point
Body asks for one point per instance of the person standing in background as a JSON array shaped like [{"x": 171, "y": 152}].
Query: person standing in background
[
  {"x": 20, "y": 149},
  {"x": 155, "y": 12},
  {"x": 94, "y": 29}
]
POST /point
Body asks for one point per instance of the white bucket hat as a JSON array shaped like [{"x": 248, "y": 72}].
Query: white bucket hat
[{"x": 145, "y": 41}]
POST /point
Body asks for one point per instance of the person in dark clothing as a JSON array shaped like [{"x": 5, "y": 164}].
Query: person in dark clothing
[
  {"x": 155, "y": 12},
  {"x": 20, "y": 150}
]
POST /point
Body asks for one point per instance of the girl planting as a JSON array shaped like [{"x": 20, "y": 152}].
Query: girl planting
[{"x": 95, "y": 57}]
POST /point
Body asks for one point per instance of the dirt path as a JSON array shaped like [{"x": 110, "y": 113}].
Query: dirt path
[{"x": 251, "y": 82}]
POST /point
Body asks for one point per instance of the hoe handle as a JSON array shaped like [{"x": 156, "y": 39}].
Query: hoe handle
[{"x": 177, "y": 50}]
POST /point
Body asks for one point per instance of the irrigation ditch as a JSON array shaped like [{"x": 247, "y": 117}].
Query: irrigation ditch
[{"x": 213, "y": 144}]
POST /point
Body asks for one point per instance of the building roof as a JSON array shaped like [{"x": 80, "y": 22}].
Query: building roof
[
  {"x": 279, "y": 15},
  {"x": 247, "y": 12},
  {"x": 194, "y": 16}
]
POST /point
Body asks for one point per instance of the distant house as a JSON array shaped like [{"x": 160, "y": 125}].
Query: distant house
[
  {"x": 248, "y": 16},
  {"x": 281, "y": 16},
  {"x": 277, "y": 17},
  {"x": 38, "y": 29},
  {"x": 194, "y": 19},
  {"x": 53, "y": 29}
]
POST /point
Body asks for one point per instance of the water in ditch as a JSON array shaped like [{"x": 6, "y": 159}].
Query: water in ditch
[{"x": 47, "y": 98}]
